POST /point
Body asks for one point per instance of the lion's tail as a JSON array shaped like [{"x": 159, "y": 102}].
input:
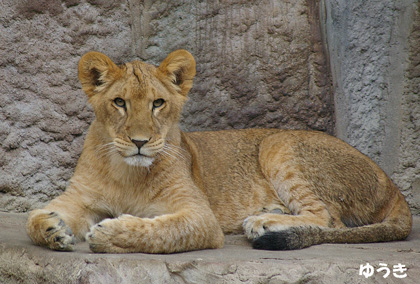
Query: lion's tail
[{"x": 396, "y": 226}]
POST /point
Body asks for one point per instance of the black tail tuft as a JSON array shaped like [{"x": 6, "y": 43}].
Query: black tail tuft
[
  {"x": 274, "y": 241},
  {"x": 289, "y": 239}
]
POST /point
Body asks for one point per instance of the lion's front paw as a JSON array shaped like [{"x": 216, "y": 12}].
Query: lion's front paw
[
  {"x": 47, "y": 229},
  {"x": 99, "y": 237},
  {"x": 110, "y": 235}
]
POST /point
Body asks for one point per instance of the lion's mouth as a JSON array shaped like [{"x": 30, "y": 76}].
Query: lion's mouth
[{"x": 139, "y": 160}]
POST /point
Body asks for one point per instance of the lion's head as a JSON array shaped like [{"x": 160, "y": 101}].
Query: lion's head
[{"x": 136, "y": 104}]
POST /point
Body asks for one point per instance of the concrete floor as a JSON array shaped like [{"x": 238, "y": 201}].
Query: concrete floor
[{"x": 237, "y": 262}]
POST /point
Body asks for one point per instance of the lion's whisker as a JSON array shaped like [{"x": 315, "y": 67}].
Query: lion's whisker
[{"x": 174, "y": 151}]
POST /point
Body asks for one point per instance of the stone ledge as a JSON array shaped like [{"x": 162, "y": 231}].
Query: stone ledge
[{"x": 237, "y": 262}]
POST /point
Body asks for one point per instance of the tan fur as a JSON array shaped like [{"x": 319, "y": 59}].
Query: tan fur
[{"x": 186, "y": 189}]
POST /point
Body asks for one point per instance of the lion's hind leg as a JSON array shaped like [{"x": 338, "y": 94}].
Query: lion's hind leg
[
  {"x": 308, "y": 212},
  {"x": 284, "y": 232},
  {"x": 327, "y": 185}
]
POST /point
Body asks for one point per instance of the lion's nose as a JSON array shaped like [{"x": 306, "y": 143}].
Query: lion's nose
[{"x": 139, "y": 143}]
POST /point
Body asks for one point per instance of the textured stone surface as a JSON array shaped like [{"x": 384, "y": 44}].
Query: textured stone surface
[
  {"x": 407, "y": 170},
  {"x": 259, "y": 65},
  {"x": 373, "y": 50},
  {"x": 43, "y": 113},
  {"x": 237, "y": 262}
]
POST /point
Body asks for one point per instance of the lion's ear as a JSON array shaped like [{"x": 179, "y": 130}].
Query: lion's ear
[
  {"x": 96, "y": 72},
  {"x": 179, "y": 66}
]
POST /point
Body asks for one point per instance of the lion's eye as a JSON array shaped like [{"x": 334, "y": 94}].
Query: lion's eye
[
  {"x": 119, "y": 102},
  {"x": 158, "y": 103}
]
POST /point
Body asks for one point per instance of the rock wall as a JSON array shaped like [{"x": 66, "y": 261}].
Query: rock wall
[
  {"x": 407, "y": 168},
  {"x": 373, "y": 49},
  {"x": 259, "y": 64},
  {"x": 43, "y": 113}
]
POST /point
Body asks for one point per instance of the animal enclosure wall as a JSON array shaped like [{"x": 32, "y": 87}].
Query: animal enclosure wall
[{"x": 259, "y": 64}]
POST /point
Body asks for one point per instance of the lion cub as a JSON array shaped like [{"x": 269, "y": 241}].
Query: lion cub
[{"x": 143, "y": 185}]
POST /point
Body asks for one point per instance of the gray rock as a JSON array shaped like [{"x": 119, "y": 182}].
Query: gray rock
[
  {"x": 43, "y": 111},
  {"x": 373, "y": 50}
]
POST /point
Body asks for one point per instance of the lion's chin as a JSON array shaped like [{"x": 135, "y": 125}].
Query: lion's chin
[{"x": 139, "y": 161}]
